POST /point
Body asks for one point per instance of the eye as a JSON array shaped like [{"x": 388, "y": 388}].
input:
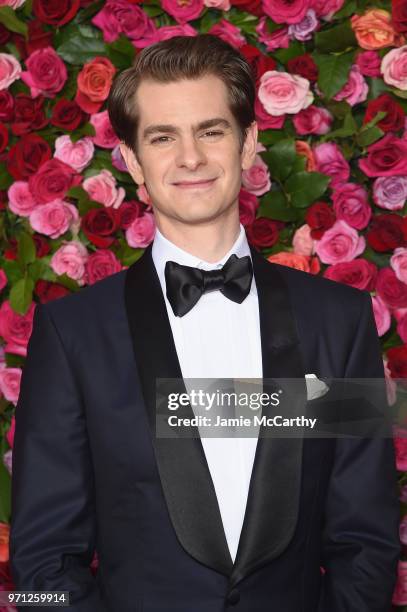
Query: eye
[{"x": 160, "y": 138}]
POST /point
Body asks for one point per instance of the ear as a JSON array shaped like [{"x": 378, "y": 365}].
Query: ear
[
  {"x": 132, "y": 164},
  {"x": 250, "y": 146}
]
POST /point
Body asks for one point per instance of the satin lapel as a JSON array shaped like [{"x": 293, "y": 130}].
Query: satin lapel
[
  {"x": 273, "y": 500},
  {"x": 181, "y": 462}
]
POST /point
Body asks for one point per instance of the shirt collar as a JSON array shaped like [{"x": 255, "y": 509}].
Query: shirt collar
[{"x": 164, "y": 250}]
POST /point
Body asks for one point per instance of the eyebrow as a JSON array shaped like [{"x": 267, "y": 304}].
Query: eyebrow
[{"x": 153, "y": 129}]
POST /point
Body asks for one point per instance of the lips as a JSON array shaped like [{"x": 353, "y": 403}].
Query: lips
[{"x": 202, "y": 182}]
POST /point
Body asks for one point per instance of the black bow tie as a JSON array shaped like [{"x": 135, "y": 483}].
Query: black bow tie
[{"x": 186, "y": 284}]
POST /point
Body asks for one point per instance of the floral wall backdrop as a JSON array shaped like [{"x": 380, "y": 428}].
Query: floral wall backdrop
[{"x": 327, "y": 193}]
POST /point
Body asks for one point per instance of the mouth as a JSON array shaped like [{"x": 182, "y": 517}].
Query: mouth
[{"x": 195, "y": 184}]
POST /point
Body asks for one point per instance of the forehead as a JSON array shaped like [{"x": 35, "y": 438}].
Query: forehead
[{"x": 182, "y": 102}]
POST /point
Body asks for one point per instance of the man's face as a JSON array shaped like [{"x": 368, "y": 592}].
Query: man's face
[{"x": 181, "y": 151}]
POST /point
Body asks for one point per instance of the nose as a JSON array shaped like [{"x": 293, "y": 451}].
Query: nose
[{"x": 190, "y": 153}]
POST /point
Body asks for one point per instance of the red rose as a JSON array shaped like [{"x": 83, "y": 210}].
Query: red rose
[
  {"x": 397, "y": 361},
  {"x": 53, "y": 180},
  {"x": 129, "y": 211},
  {"x": 392, "y": 290},
  {"x": 263, "y": 232},
  {"x": 6, "y": 106},
  {"x": 250, "y": 6},
  {"x": 3, "y": 137},
  {"x": 67, "y": 115},
  {"x": 5, "y": 34},
  {"x": 303, "y": 65},
  {"x": 264, "y": 63},
  {"x": 55, "y": 12},
  {"x": 248, "y": 205},
  {"x": 38, "y": 38},
  {"x": 387, "y": 232},
  {"x": 42, "y": 246},
  {"x": 399, "y": 15},
  {"x": 359, "y": 273},
  {"x": 27, "y": 155},
  {"x": 98, "y": 225},
  {"x": 386, "y": 157},
  {"x": 393, "y": 121},
  {"x": 94, "y": 82},
  {"x": 28, "y": 114},
  {"x": 101, "y": 264},
  {"x": 47, "y": 291},
  {"x": 319, "y": 217}
]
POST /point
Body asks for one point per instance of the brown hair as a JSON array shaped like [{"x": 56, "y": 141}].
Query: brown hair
[{"x": 183, "y": 57}]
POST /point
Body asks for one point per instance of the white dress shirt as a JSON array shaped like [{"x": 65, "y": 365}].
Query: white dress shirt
[{"x": 218, "y": 338}]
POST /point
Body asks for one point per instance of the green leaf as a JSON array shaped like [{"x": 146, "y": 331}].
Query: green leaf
[
  {"x": 86, "y": 130},
  {"x": 349, "y": 8},
  {"x": 13, "y": 269},
  {"x": 41, "y": 269},
  {"x": 306, "y": 187},
  {"x": 284, "y": 55},
  {"x": 21, "y": 294},
  {"x": 26, "y": 248},
  {"x": 68, "y": 282},
  {"x": 5, "y": 493},
  {"x": 369, "y": 136},
  {"x": 349, "y": 128},
  {"x": 400, "y": 93},
  {"x": 274, "y": 205},
  {"x": 5, "y": 177},
  {"x": 333, "y": 71},
  {"x": 83, "y": 44},
  {"x": 268, "y": 137},
  {"x": 376, "y": 87},
  {"x": 280, "y": 158},
  {"x": 338, "y": 38},
  {"x": 121, "y": 52},
  {"x": 152, "y": 11},
  {"x": 126, "y": 254},
  {"x": 9, "y": 19},
  {"x": 378, "y": 117}
]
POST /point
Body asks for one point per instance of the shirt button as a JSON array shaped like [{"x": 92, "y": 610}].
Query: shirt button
[{"x": 233, "y": 597}]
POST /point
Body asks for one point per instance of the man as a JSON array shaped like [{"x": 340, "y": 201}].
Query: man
[{"x": 190, "y": 524}]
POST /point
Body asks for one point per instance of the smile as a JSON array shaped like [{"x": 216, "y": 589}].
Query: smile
[{"x": 196, "y": 185}]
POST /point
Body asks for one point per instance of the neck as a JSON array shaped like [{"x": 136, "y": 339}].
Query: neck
[{"x": 209, "y": 240}]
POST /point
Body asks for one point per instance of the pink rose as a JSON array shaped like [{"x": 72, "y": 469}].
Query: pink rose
[
  {"x": 358, "y": 273},
  {"x": 46, "y": 74},
  {"x": 105, "y": 136},
  {"x": 248, "y": 205},
  {"x": 392, "y": 290},
  {"x": 355, "y": 89},
  {"x": 339, "y": 243},
  {"x": 141, "y": 231},
  {"x": 20, "y": 199},
  {"x": 279, "y": 39},
  {"x": 52, "y": 181},
  {"x": 303, "y": 242},
  {"x": 400, "y": 592},
  {"x": 400, "y": 315},
  {"x": 75, "y": 154},
  {"x": 282, "y": 92},
  {"x": 185, "y": 11},
  {"x": 10, "y": 70},
  {"x": 394, "y": 68},
  {"x": 256, "y": 179},
  {"x": 403, "y": 530},
  {"x": 282, "y": 11},
  {"x": 305, "y": 28},
  {"x": 265, "y": 121},
  {"x": 70, "y": 259},
  {"x": 351, "y": 204},
  {"x": 381, "y": 314},
  {"x": 54, "y": 219},
  {"x": 16, "y": 328},
  {"x": 326, "y": 8},
  {"x": 313, "y": 120},
  {"x": 398, "y": 261},
  {"x": 14, "y": 4},
  {"x": 166, "y": 32},
  {"x": 221, "y": 5},
  {"x": 390, "y": 192},
  {"x": 3, "y": 279},
  {"x": 369, "y": 63},
  {"x": 330, "y": 161},
  {"x": 228, "y": 32},
  {"x": 102, "y": 188},
  {"x": 101, "y": 264},
  {"x": 10, "y": 433},
  {"x": 10, "y": 379},
  {"x": 119, "y": 16}
]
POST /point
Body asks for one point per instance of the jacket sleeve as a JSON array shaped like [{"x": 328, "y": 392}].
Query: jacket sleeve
[
  {"x": 361, "y": 545},
  {"x": 53, "y": 530}
]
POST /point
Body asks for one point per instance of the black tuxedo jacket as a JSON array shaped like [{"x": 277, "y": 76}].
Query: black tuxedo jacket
[{"x": 89, "y": 473}]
